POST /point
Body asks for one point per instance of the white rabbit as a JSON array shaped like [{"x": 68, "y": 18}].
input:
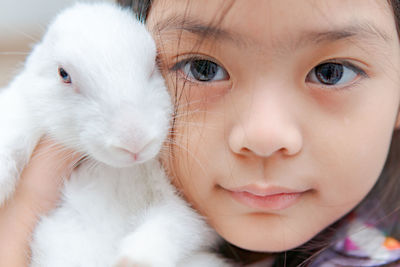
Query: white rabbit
[{"x": 92, "y": 84}]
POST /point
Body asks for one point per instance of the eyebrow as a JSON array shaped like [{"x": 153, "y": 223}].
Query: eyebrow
[
  {"x": 359, "y": 30},
  {"x": 197, "y": 27}
]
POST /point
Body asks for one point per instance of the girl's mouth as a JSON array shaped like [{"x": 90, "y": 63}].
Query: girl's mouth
[{"x": 269, "y": 198}]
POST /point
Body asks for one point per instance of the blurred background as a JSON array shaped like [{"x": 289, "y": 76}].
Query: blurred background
[{"x": 22, "y": 24}]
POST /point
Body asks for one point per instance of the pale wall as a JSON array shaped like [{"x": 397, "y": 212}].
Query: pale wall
[{"x": 21, "y": 23}]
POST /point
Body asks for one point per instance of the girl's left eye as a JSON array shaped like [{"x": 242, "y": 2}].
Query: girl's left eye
[
  {"x": 334, "y": 74},
  {"x": 202, "y": 70}
]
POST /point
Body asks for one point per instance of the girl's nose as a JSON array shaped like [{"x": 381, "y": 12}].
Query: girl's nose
[{"x": 269, "y": 126}]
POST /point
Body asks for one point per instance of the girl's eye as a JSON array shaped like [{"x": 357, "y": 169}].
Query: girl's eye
[
  {"x": 334, "y": 74},
  {"x": 66, "y": 78},
  {"x": 202, "y": 70}
]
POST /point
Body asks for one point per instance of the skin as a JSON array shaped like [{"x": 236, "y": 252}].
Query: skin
[
  {"x": 266, "y": 122},
  {"x": 37, "y": 194}
]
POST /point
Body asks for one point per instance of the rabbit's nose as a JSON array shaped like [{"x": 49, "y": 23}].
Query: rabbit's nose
[{"x": 133, "y": 153}]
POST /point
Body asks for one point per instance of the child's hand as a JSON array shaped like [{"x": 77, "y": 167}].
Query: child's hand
[{"x": 37, "y": 193}]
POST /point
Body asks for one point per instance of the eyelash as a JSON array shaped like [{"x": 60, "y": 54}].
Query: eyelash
[
  {"x": 180, "y": 65},
  {"x": 345, "y": 64}
]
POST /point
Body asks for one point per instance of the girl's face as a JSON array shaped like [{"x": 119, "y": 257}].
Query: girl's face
[{"x": 285, "y": 110}]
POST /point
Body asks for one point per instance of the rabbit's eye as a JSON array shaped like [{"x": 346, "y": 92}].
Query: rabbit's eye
[{"x": 66, "y": 78}]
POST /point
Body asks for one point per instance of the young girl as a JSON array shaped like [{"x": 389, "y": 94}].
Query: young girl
[{"x": 285, "y": 134}]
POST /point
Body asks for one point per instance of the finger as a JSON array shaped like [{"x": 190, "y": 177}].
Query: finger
[
  {"x": 37, "y": 193},
  {"x": 44, "y": 175}
]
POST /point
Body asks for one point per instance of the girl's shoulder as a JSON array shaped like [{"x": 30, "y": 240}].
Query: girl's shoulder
[{"x": 361, "y": 244}]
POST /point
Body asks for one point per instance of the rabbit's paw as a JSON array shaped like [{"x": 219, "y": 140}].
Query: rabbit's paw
[
  {"x": 128, "y": 261},
  {"x": 146, "y": 247},
  {"x": 137, "y": 252}
]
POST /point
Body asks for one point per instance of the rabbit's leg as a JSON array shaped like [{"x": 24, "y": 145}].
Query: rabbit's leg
[{"x": 17, "y": 141}]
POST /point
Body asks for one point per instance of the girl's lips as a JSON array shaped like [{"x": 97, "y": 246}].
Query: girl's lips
[{"x": 270, "y": 198}]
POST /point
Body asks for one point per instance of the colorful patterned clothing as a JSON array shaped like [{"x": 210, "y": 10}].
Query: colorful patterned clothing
[{"x": 364, "y": 245}]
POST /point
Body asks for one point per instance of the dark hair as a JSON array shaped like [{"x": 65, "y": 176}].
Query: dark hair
[
  {"x": 140, "y": 7},
  {"x": 381, "y": 206}
]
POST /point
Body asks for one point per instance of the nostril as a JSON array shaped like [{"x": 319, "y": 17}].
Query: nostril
[
  {"x": 138, "y": 151},
  {"x": 134, "y": 155},
  {"x": 244, "y": 151}
]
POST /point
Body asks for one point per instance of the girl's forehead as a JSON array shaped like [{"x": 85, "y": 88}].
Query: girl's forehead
[{"x": 261, "y": 21}]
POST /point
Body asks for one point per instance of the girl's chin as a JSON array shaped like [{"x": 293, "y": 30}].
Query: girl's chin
[
  {"x": 268, "y": 248},
  {"x": 267, "y": 242}
]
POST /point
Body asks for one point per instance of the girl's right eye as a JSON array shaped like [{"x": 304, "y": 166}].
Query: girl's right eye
[
  {"x": 201, "y": 70},
  {"x": 335, "y": 74},
  {"x": 66, "y": 78}
]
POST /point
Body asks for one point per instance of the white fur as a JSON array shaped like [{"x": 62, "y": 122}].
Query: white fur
[{"x": 115, "y": 210}]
